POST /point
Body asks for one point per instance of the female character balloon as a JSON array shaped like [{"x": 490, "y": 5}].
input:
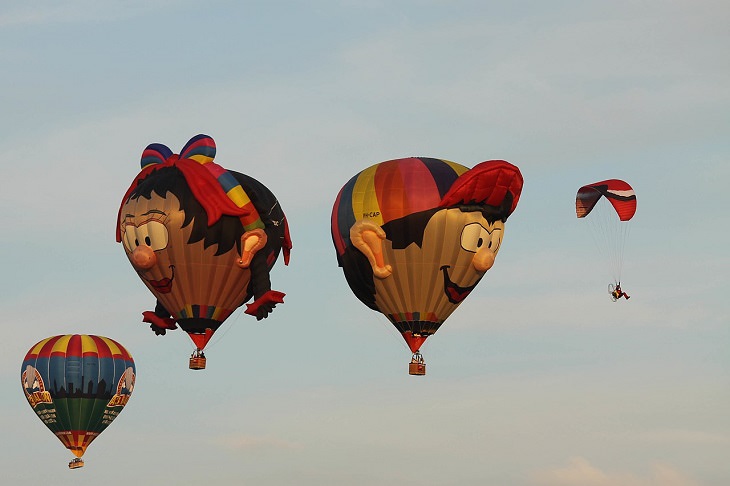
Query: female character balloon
[
  {"x": 77, "y": 385},
  {"x": 414, "y": 236},
  {"x": 202, "y": 238}
]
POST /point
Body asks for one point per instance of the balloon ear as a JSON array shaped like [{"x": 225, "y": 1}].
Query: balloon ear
[
  {"x": 368, "y": 238},
  {"x": 251, "y": 242}
]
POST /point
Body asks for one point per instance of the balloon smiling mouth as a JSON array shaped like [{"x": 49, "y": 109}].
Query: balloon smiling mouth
[
  {"x": 163, "y": 286},
  {"x": 454, "y": 292}
]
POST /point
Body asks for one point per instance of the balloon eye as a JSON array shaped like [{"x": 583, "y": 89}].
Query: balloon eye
[
  {"x": 155, "y": 235},
  {"x": 473, "y": 236}
]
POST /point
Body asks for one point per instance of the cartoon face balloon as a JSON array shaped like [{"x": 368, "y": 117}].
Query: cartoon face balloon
[
  {"x": 415, "y": 236},
  {"x": 77, "y": 385},
  {"x": 203, "y": 239}
]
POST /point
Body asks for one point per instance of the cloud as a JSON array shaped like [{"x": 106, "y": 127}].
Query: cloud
[
  {"x": 580, "y": 472},
  {"x": 247, "y": 442}
]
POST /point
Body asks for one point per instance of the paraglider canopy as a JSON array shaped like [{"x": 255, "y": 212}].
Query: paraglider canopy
[
  {"x": 619, "y": 193},
  {"x": 608, "y": 206}
]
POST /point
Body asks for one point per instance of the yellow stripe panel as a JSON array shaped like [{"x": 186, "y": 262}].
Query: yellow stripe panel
[
  {"x": 112, "y": 346},
  {"x": 364, "y": 199},
  {"x": 62, "y": 344},
  {"x": 88, "y": 345},
  {"x": 37, "y": 348},
  {"x": 201, "y": 159},
  {"x": 458, "y": 168},
  {"x": 238, "y": 196}
]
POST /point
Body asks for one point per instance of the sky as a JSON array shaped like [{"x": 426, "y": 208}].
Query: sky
[{"x": 537, "y": 379}]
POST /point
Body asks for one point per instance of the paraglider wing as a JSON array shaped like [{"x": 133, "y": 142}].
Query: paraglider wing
[
  {"x": 608, "y": 207},
  {"x": 619, "y": 193},
  {"x": 77, "y": 385}
]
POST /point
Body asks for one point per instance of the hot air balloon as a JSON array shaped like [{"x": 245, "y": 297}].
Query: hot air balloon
[
  {"x": 414, "y": 236},
  {"x": 608, "y": 207},
  {"x": 77, "y": 385},
  {"x": 203, "y": 239}
]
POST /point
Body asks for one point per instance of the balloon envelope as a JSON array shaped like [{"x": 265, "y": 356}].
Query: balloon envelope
[
  {"x": 203, "y": 239},
  {"x": 77, "y": 385},
  {"x": 414, "y": 236}
]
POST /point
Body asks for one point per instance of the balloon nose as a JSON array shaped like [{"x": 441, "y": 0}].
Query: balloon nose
[
  {"x": 483, "y": 260},
  {"x": 143, "y": 257}
]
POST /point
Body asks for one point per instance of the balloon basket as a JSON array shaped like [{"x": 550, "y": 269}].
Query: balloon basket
[
  {"x": 197, "y": 363},
  {"x": 76, "y": 463},
  {"x": 417, "y": 367},
  {"x": 197, "y": 360}
]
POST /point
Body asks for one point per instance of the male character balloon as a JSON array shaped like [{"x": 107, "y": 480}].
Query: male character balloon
[
  {"x": 202, "y": 238},
  {"x": 414, "y": 236},
  {"x": 77, "y": 385}
]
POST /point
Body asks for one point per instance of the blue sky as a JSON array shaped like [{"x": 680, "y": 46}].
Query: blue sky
[{"x": 538, "y": 379}]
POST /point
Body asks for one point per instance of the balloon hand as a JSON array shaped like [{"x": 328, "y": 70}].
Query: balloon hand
[
  {"x": 264, "y": 305},
  {"x": 157, "y": 323}
]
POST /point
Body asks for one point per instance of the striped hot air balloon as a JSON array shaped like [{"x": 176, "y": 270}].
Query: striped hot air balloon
[
  {"x": 414, "y": 237},
  {"x": 77, "y": 385},
  {"x": 203, "y": 240}
]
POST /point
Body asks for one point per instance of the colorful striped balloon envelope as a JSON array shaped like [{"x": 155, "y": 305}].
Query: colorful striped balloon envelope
[
  {"x": 77, "y": 385},
  {"x": 414, "y": 236},
  {"x": 202, "y": 238}
]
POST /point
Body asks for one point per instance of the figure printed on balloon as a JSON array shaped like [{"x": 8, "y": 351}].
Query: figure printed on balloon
[
  {"x": 35, "y": 389},
  {"x": 203, "y": 239},
  {"x": 124, "y": 389}
]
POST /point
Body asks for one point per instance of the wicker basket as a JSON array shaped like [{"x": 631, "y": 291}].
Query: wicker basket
[
  {"x": 417, "y": 369},
  {"x": 197, "y": 363}
]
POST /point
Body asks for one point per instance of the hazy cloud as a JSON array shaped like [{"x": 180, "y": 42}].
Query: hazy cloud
[
  {"x": 237, "y": 442},
  {"x": 580, "y": 472}
]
